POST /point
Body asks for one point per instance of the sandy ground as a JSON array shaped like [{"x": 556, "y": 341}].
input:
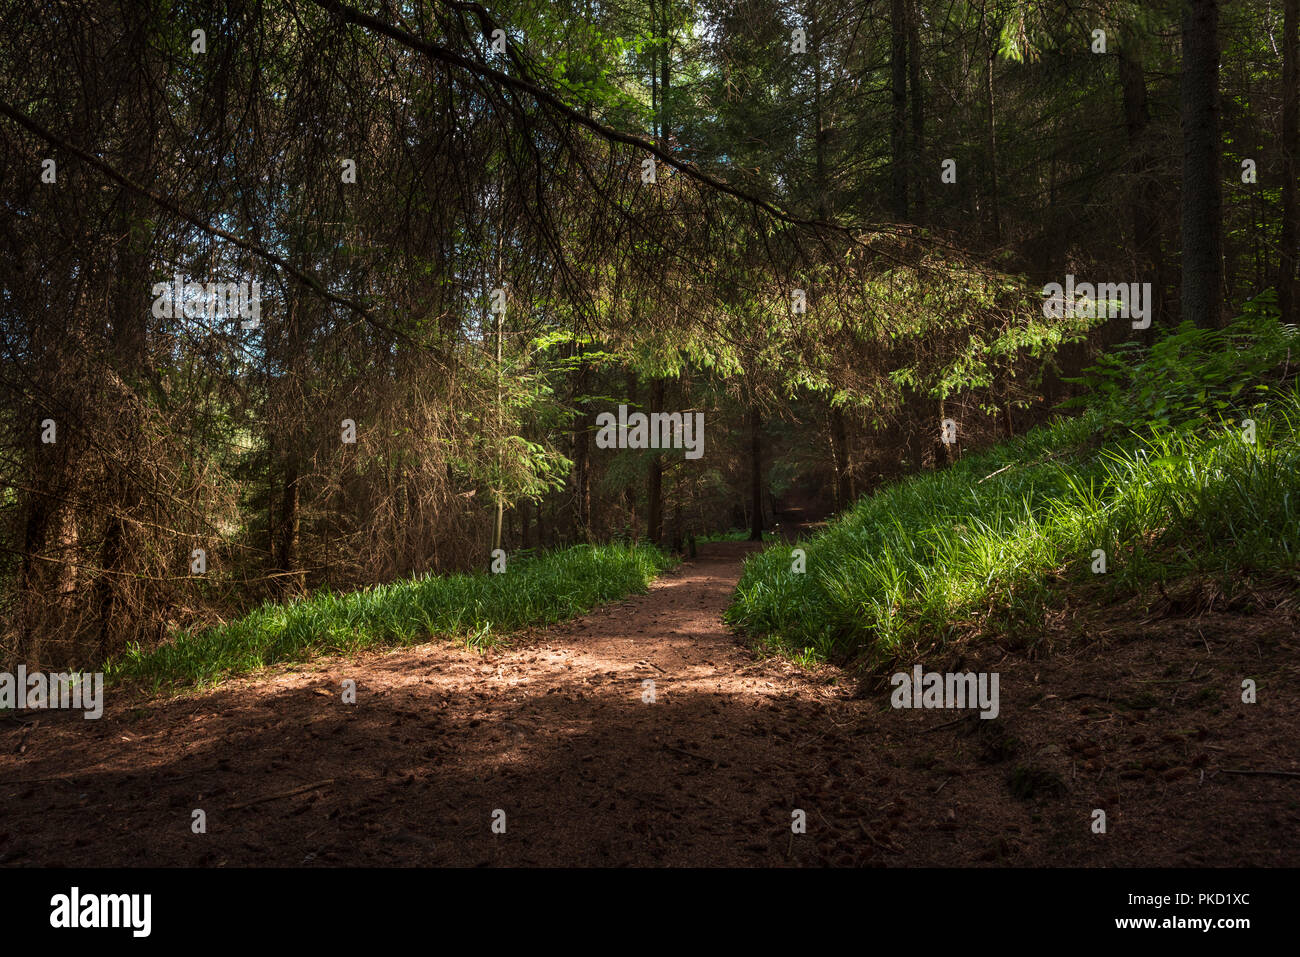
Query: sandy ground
[{"x": 1142, "y": 718}]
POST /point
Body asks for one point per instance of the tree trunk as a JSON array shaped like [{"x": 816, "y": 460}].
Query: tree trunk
[
  {"x": 1202, "y": 282},
  {"x": 629, "y": 493},
  {"x": 819, "y": 120},
  {"x": 843, "y": 473},
  {"x": 1288, "y": 292},
  {"x": 119, "y": 558},
  {"x": 32, "y": 589},
  {"x": 898, "y": 159},
  {"x": 287, "y": 404},
  {"x": 1145, "y": 201},
  {"x": 918, "y": 114},
  {"x": 756, "y": 475},
  {"x": 991, "y": 140},
  {"x": 286, "y": 538},
  {"x": 654, "y": 483},
  {"x": 917, "y": 425},
  {"x": 582, "y": 452},
  {"x": 498, "y": 492}
]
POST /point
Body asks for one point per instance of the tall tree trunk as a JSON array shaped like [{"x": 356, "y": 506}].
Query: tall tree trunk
[
  {"x": 918, "y": 113},
  {"x": 289, "y": 401},
  {"x": 665, "y": 75},
  {"x": 50, "y": 472},
  {"x": 917, "y": 425},
  {"x": 654, "y": 75},
  {"x": 654, "y": 483},
  {"x": 629, "y": 493},
  {"x": 819, "y": 131},
  {"x": 843, "y": 472},
  {"x": 499, "y": 510},
  {"x": 898, "y": 159},
  {"x": 34, "y": 575},
  {"x": 582, "y": 451},
  {"x": 120, "y": 558},
  {"x": 123, "y": 552},
  {"x": 1145, "y": 200},
  {"x": 286, "y": 539},
  {"x": 991, "y": 138},
  {"x": 498, "y": 492},
  {"x": 1202, "y": 283},
  {"x": 838, "y": 451},
  {"x": 756, "y": 475},
  {"x": 1288, "y": 291}
]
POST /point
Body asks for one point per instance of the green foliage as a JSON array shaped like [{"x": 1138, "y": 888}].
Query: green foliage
[
  {"x": 1191, "y": 375},
  {"x": 476, "y": 608},
  {"x": 735, "y": 535},
  {"x": 993, "y": 541}
]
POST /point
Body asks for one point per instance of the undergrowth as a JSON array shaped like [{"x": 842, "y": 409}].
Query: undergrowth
[
  {"x": 477, "y": 609},
  {"x": 1160, "y": 474}
]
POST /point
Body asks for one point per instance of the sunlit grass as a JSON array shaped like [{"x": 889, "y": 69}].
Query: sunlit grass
[
  {"x": 477, "y": 609},
  {"x": 937, "y": 554}
]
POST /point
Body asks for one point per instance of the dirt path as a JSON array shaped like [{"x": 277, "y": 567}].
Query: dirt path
[{"x": 554, "y": 731}]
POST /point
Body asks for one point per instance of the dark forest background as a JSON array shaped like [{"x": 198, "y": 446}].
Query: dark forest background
[{"x": 798, "y": 152}]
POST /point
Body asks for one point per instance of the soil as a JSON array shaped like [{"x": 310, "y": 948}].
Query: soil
[{"x": 1141, "y": 717}]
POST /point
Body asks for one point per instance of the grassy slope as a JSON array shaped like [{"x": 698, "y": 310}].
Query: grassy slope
[
  {"x": 476, "y": 608},
  {"x": 992, "y": 541}
]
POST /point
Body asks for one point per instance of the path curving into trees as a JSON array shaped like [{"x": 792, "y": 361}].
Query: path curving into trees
[{"x": 557, "y": 732}]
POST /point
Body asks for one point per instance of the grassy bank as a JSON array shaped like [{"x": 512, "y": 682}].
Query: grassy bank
[
  {"x": 476, "y": 608},
  {"x": 993, "y": 542}
]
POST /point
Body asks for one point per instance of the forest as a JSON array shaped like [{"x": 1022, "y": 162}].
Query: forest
[{"x": 744, "y": 352}]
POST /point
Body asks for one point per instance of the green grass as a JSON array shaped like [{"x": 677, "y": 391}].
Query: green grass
[
  {"x": 733, "y": 535},
  {"x": 947, "y": 553},
  {"x": 476, "y": 608}
]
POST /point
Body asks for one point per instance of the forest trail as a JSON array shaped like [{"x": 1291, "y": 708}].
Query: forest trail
[{"x": 555, "y": 731}]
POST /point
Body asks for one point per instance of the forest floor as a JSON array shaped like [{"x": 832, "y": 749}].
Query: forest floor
[{"x": 1142, "y": 720}]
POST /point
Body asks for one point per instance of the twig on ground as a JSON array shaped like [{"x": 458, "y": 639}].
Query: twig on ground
[
  {"x": 283, "y": 794},
  {"x": 1267, "y": 773},
  {"x": 691, "y": 754},
  {"x": 946, "y": 724}
]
